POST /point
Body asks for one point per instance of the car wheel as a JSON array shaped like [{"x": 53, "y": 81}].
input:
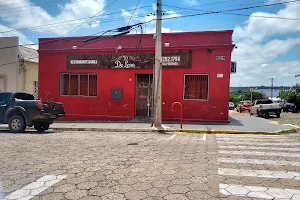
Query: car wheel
[
  {"x": 258, "y": 114},
  {"x": 278, "y": 115},
  {"x": 16, "y": 124},
  {"x": 42, "y": 126}
]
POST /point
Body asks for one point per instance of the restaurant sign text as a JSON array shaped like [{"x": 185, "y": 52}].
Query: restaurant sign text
[{"x": 111, "y": 61}]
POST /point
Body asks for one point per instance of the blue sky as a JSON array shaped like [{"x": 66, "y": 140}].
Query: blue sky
[{"x": 267, "y": 47}]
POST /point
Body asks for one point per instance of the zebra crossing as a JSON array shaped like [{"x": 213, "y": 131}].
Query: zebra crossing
[{"x": 259, "y": 166}]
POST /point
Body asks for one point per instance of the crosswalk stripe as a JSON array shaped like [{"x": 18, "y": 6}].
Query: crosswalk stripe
[
  {"x": 259, "y": 148},
  {"x": 259, "y": 162},
  {"x": 260, "y": 144},
  {"x": 249, "y": 136},
  {"x": 259, "y": 173},
  {"x": 260, "y": 153},
  {"x": 255, "y": 139},
  {"x": 258, "y": 192}
]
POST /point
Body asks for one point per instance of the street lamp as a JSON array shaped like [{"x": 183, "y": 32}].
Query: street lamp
[{"x": 297, "y": 75}]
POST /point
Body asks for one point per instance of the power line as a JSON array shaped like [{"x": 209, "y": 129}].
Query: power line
[
  {"x": 89, "y": 18},
  {"x": 58, "y": 51},
  {"x": 138, "y": 2},
  {"x": 50, "y": 28},
  {"x": 200, "y": 5},
  {"x": 30, "y": 2},
  {"x": 239, "y": 14},
  {"x": 44, "y": 3},
  {"x": 62, "y": 22},
  {"x": 230, "y": 10}
]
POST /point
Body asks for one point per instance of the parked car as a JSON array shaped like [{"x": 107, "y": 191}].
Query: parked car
[
  {"x": 243, "y": 106},
  {"x": 265, "y": 107},
  {"x": 289, "y": 107},
  {"x": 20, "y": 110},
  {"x": 231, "y": 106}
]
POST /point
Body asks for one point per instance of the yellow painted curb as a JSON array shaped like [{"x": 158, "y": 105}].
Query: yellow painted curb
[{"x": 237, "y": 132}]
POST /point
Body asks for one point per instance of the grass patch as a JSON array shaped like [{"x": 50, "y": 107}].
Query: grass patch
[{"x": 293, "y": 130}]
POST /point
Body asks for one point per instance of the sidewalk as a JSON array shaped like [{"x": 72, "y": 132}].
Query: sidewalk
[{"x": 238, "y": 124}]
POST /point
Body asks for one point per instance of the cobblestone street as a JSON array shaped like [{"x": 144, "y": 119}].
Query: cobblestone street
[{"x": 116, "y": 166}]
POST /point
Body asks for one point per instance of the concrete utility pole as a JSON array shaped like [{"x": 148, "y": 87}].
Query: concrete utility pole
[
  {"x": 272, "y": 85},
  {"x": 158, "y": 66}
]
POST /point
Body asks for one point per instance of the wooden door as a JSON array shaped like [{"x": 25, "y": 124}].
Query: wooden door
[{"x": 143, "y": 94}]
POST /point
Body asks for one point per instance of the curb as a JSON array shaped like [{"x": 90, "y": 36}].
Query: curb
[
  {"x": 114, "y": 129},
  {"x": 168, "y": 130},
  {"x": 292, "y": 130}
]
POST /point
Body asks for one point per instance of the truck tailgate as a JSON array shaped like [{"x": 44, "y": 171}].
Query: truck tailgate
[
  {"x": 271, "y": 106},
  {"x": 54, "y": 108}
]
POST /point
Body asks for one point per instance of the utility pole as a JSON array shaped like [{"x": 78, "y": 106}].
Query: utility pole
[
  {"x": 158, "y": 66},
  {"x": 272, "y": 85}
]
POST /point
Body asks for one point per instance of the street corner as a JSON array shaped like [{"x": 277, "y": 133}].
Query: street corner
[{"x": 240, "y": 125}]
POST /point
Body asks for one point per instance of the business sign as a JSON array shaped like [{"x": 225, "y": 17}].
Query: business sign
[
  {"x": 129, "y": 61},
  {"x": 83, "y": 62},
  {"x": 220, "y": 57}
]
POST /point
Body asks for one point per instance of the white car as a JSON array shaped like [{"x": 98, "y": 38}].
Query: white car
[{"x": 265, "y": 107}]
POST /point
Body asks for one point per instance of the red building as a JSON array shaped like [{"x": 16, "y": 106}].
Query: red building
[{"x": 110, "y": 78}]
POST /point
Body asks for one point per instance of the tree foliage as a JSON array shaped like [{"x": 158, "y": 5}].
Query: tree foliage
[
  {"x": 240, "y": 96},
  {"x": 292, "y": 95}
]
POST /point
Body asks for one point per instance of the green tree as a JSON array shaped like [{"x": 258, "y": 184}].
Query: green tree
[
  {"x": 255, "y": 96},
  {"x": 235, "y": 98},
  {"x": 292, "y": 95}
]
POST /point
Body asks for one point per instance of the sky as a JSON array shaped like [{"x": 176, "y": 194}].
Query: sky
[{"x": 267, "y": 38}]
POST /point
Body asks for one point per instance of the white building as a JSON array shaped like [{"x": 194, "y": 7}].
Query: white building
[{"x": 18, "y": 67}]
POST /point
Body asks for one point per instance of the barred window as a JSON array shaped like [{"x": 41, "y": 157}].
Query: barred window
[
  {"x": 78, "y": 85},
  {"x": 196, "y": 87}
]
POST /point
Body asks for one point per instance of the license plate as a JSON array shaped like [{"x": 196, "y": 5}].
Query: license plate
[{"x": 53, "y": 116}]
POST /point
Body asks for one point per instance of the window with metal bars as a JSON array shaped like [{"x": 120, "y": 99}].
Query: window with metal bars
[
  {"x": 196, "y": 87},
  {"x": 79, "y": 85}
]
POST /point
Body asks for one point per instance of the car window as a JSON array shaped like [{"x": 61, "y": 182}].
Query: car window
[
  {"x": 267, "y": 101},
  {"x": 24, "y": 96},
  {"x": 3, "y": 96}
]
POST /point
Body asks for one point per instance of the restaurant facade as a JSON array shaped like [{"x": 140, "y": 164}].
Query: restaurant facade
[{"x": 111, "y": 78}]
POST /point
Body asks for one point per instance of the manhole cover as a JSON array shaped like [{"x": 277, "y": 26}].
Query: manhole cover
[{"x": 133, "y": 143}]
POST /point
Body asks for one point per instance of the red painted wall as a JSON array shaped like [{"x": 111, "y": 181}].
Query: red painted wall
[{"x": 53, "y": 60}]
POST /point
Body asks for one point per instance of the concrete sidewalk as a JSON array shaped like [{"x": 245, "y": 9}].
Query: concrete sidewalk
[{"x": 238, "y": 124}]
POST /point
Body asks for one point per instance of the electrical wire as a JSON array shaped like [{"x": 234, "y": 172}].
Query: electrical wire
[
  {"x": 32, "y": 6},
  {"x": 50, "y": 28},
  {"x": 62, "y": 22},
  {"x": 90, "y": 18},
  {"x": 73, "y": 28},
  {"x": 59, "y": 51},
  {"x": 30, "y": 2},
  {"x": 138, "y": 2},
  {"x": 230, "y": 10},
  {"x": 239, "y": 14}
]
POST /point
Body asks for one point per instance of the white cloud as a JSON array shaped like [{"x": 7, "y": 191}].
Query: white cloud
[
  {"x": 150, "y": 26},
  {"x": 191, "y": 2},
  {"x": 28, "y": 14},
  {"x": 259, "y": 28},
  {"x": 259, "y": 52},
  {"x": 22, "y": 38}
]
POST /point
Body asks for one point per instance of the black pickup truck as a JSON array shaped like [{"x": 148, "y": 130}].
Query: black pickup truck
[{"x": 20, "y": 110}]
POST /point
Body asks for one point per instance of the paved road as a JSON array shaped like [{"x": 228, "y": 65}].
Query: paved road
[{"x": 86, "y": 165}]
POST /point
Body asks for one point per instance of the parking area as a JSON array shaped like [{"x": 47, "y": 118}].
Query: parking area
[
  {"x": 118, "y": 166},
  {"x": 289, "y": 118}
]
